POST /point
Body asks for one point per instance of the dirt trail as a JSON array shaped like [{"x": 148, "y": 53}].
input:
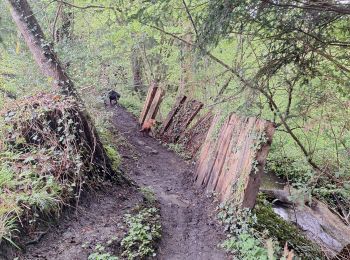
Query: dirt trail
[{"x": 189, "y": 227}]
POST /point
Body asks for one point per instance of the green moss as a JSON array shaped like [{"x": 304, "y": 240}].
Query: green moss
[
  {"x": 114, "y": 156},
  {"x": 283, "y": 231}
]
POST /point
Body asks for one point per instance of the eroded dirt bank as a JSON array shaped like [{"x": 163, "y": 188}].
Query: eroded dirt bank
[{"x": 190, "y": 230}]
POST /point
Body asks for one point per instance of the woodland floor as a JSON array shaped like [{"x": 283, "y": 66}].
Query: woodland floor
[{"x": 189, "y": 228}]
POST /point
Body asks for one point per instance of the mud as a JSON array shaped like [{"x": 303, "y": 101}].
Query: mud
[
  {"x": 189, "y": 227},
  {"x": 190, "y": 230}
]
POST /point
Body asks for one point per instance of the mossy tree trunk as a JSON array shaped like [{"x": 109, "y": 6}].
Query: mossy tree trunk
[{"x": 51, "y": 67}]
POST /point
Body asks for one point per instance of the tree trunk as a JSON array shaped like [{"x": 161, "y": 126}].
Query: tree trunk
[
  {"x": 136, "y": 64},
  {"x": 51, "y": 67},
  {"x": 39, "y": 47},
  {"x": 186, "y": 85},
  {"x": 65, "y": 28}
]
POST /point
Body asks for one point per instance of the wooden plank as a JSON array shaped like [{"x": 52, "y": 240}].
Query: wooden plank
[
  {"x": 152, "y": 112},
  {"x": 252, "y": 187},
  {"x": 223, "y": 151},
  {"x": 206, "y": 153},
  {"x": 242, "y": 180},
  {"x": 195, "y": 107},
  {"x": 238, "y": 161},
  {"x": 148, "y": 101},
  {"x": 171, "y": 114},
  {"x": 181, "y": 120},
  {"x": 232, "y": 165},
  {"x": 193, "y": 138}
]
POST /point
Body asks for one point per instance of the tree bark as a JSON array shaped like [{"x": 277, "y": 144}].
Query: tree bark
[
  {"x": 186, "y": 79},
  {"x": 40, "y": 48},
  {"x": 50, "y": 66},
  {"x": 136, "y": 65}
]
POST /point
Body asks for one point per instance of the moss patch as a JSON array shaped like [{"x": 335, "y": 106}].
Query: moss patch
[{"x": 283, "y": 232}]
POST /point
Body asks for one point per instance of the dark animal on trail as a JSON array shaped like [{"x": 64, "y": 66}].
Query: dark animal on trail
[
  {"x": 147, "y": 126},
  {"x": 113, "y": 95}
]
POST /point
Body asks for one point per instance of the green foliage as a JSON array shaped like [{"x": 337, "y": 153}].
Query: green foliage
[
  {"x": 261, "y": 234},
  {"x": 100, "y": 254},
  {"x": 243, "y": 241},
  {"x": 282, "y": 231},
  {"x": 144, "y": 231},
  {"x": 246, "y": 246},
  {"x": 44, "y": 160},
  {"x": 6, "y": 177},
  {"x": 8, "y": 228},
  {"x": 132, "y": 102},
  {"x": 289, "y": 166},
  {"x": 148, "y": 194}
]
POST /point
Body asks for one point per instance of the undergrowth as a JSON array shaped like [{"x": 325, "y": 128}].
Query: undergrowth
[
  {"x": 144, "y": 228},
  {"x": 132, "y": 101},
  {"x": 179, "y": 150},
  {"x": 261, "y": 234},
  {"x": 142, "y": 231},
  {"x": 46, "y": 161},
  {"x": 101, "y": 254}
]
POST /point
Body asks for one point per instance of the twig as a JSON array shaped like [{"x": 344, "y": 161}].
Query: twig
[
  {"x": 90, "y": 6},
  {"x": 190, "y": 17},
  {"x": 36, "y": 240},
  {"x": 55, "y": 21}
]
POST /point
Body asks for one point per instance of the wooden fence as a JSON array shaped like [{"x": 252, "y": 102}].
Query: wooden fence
[
  {"x": 193, "y": 138},
  {"x": 232, "y": 153},
  {"x": 152, "y": 103},
  {"x": 179, "y": 118},
  {"x": 232, "y": 158}
]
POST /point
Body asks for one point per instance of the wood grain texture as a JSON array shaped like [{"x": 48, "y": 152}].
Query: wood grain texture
[
  {"x": 148, "y": 101},
  {"x": 154, "y": 107},
  {"x": 179, "y": 119},
  {"x": 192, "y": 139},
  {"x": 231, "y": 165}
]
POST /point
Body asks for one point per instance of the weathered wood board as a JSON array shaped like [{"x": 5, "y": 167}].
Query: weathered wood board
[
  {"x": 153, "y": 110},
  {"x": 231, "y": 162},
  {"x": 152, "y": 103},
  {"x": 179, "y": 119},
  {"x": 193, "y": 138},
  {"x": 179, "y": 102},
  {"x": 147, "y": 104}
]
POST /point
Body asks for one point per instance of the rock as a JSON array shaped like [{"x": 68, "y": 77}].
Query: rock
[
  {"x": 139, "y": 142},
  {"x": 154, "y": 152},
  {"x": 320, "y": 225}
]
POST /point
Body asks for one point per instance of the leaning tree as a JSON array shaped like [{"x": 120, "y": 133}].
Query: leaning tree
[{"x": 51, "y": 67}]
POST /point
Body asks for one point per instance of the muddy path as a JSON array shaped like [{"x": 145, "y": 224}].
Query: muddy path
[
  {"x": 98, "y": 219},
  {"x": 190, "y": 230},
  {"x": 188, "y": 216}
]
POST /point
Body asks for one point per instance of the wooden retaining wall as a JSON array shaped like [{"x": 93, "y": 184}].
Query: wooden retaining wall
[
  {"x": 152, "y": 103},
  {"x": 233, "y": 157},
  {"x": 193, "y": 138},
  {"x": 179, "y": 119}
]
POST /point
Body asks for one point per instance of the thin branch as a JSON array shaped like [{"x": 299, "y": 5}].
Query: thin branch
[
  {"x": 325, "y": 7},
  {"x": 55, "y": 22},
  {"x": 223, "y": 88},
  {"x": 89, "y": 6},
  {"x": 251, "y": 85},
  {"x": 190, "y": 17}
]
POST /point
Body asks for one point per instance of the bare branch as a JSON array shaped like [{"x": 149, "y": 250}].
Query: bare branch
[
  {"x": 89, "y": 6},
  {"x": 190, "y": 17}
]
